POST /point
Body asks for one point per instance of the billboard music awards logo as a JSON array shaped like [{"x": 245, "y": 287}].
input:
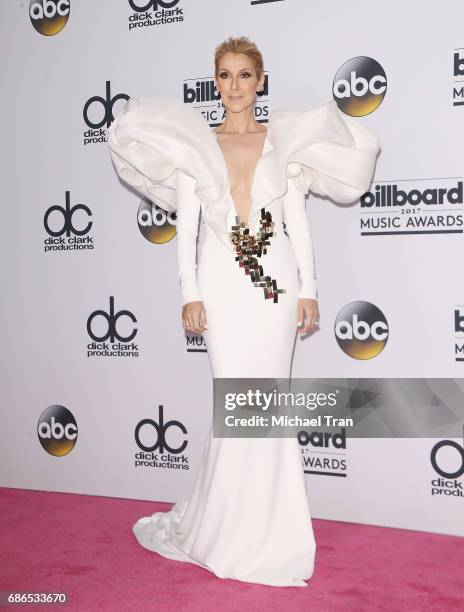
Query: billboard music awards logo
[
  {"x": 316, "y": 448},
  {"x": 162, "y": 444},
  {"x": 254, "y": 2},
  {"x": 447, "y": 459},
  {"x": 202, "y": 94},
  {"x": 98, "y": 114},
  {"x": 148, "y": 13},
  {"x": 459, "y": 333},
  {"x": 155, "y": 224},
  {"x": 359, "y": 86},
  {"x": 361, "y": 330},
  {"x": 195, "y": 343},
  {"x": 57, "y": 430},
  {"x": 458, "y": 75},
  {"x": 49, "y": 16},
  {"x": 112, "y": 333},
  {"x": 412, "y": 207},
  {"x": 68, "y": 227}
]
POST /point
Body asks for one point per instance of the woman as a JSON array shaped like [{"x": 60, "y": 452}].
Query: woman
[{"x": 248, "y": 516}]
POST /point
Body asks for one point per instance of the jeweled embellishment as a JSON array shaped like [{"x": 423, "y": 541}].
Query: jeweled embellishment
[{"x": 251, "y": 246}]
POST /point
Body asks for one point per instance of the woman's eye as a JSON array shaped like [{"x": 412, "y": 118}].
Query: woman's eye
[{"x": 225, "y": 75}]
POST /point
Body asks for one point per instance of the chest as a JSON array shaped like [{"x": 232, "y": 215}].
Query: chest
[{"x": 241, "y": 155}]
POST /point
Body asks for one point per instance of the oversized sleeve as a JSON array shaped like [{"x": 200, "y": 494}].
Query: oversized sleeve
[
  {"x": 151, "y": 139},
  {"x": 326, "y": 152},
  {"x": 188, "y": 212},
  {"x": 166, "y": 152},
  {"x": 299, "y": 233},
  {"x": 142, "y": 149},
  {"x": 322, "y": 151}
]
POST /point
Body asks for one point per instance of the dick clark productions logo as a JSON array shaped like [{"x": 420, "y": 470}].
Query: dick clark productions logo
[
  {"x": 68, "y": 226},
  {"x": 107, "y": 332},
  {"x": 98, "y": 113},
  {"x": 147, "y": 13},
  {"x": 157, "y": 446},
  {"x": 447, "y": 459}
]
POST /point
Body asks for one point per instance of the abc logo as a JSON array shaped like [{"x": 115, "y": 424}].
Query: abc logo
[
  {"x": 97, "y": 103},
  {"x": 361, "y": 330},
  {"x": 151, "y": 5},
  {"x": 439, "y": 468},
  {"x": 359, "y": 86},
  {"x": 57, "y": 430},
  {"x": 67, "y": 227},
  {"x": 155, "y": 224},
  {"x": 160, "y": 428},
  {"x": 111, "y": 320},
  {"x": 49, "y": 16}
]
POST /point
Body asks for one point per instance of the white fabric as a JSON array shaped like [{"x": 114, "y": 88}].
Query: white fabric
[
  {"x": 248, "y": 517},
  {"x": 320, "y": 149}
]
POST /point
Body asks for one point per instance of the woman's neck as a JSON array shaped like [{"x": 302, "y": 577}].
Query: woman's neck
[{"x": 243, "y": 122}]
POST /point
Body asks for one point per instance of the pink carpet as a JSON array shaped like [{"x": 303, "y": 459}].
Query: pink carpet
[{"x": 84, "y": 546}]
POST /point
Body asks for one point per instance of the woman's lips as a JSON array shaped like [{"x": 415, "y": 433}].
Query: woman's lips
[{"x": 236, "y": 98}]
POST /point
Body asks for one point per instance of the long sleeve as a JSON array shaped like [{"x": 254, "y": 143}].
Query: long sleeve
[
  {"x": 323, "y": 151},
  {"x": 297, "y": 225},
  {"x": 188, "y": 211}
]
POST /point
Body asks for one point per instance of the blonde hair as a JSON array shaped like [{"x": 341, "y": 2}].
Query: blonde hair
[{"x": 241, "y": 44}]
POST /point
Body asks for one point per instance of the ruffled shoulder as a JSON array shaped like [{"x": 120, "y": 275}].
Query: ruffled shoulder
[
  {"x": 324, "y": 151},
  {"x": 151, "y": 139}
]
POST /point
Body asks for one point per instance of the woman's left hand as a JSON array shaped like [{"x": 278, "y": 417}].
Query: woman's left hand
[{"x": 308, "y": 315}]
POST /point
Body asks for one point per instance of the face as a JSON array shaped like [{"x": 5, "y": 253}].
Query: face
[{"x": 237, "y": 81}]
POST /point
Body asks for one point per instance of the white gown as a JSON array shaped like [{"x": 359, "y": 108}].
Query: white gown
[{"x": 248, "y": 517}]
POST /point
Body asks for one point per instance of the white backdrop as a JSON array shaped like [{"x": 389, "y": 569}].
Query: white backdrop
[{"x": 49, "y": 294}]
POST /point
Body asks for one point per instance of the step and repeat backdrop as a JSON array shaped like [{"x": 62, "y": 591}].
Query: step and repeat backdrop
[{"x": 103, "y": 391}]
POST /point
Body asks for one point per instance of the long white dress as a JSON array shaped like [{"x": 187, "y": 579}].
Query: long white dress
[{"x": 248, "y": 517}]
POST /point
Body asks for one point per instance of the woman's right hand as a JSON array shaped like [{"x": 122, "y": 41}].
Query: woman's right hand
[{"x": 194, "y": 317}]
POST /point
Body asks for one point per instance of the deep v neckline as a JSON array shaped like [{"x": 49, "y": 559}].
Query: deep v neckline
[{"x": 226, "y": 171}]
